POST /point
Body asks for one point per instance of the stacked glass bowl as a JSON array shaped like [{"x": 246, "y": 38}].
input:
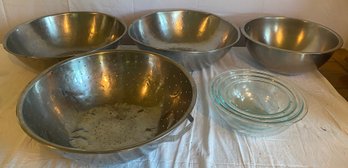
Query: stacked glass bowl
[{"x": 256, "y": 103}]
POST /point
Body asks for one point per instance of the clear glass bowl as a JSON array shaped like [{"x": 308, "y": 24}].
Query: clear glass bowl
[
  {"x": 256, "y": 100},
  {"x": 255, "y": 94},
  {"x": 253, "y": 128},
  {"x": 255, "y": 97}
]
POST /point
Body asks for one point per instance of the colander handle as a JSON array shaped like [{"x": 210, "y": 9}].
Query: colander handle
[{"x": 172, "y": 138}]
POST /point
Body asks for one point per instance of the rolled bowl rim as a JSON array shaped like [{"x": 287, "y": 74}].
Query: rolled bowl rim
[
  {"x": 297, "y": 117},
  {"x": 246, "y": 35},
  {"x": 32, "y": 134},
  {"x": 41, "y": 57},
  {"x": 253, "y": 75},
  {"x": 181, "y": 51}
]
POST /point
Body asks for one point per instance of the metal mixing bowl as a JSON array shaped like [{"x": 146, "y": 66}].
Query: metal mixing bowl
[
  {"x": 288, "y": 45},
  {"x": 194, "y": 39},
  {"x": 53, "y": 103},
  {"x": 52, "y": 38}
]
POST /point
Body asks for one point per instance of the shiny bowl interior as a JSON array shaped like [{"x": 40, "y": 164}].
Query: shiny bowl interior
[
  {"x": 186, "y": 36},
  {"x": 292, "y": 34},
  {"x": 187, "y": 31},
  {"x": 54, "y": 103},
  {"x": 255, "y": 101},
  {"x": 64, "y": 35},
  {"x": 289, "y": 46}
]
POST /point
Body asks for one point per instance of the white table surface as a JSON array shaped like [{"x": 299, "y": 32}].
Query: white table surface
[{"x": 319, "y": 140}]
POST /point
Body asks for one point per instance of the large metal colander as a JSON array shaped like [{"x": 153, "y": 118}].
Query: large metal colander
[{"x": 52, "y": 105}]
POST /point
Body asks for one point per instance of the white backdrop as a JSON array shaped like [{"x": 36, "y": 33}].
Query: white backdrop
[{"x": 333, "y": 13}]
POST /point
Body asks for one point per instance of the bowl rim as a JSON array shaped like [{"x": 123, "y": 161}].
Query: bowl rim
[
  {"x": 288, "y": 110},
  {"x": 245, "y": 34},
  {"x": 159, "y": 137},
  {"x": 41, "y": 57},
  {"x": 235, "y": 76},
  {"x": 182, "y": 51},
  {"x": 295, "y": 116},
  {"x": 303, "y": 111}
]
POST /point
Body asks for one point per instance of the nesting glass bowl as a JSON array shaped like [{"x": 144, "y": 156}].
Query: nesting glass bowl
[{"x": 256, "y": 102}]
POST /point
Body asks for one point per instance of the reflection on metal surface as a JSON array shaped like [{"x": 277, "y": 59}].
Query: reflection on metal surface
[
  {"x": 203, "y": 26},
  {"x": 176, "y": 95},
  {"x": 163, "y": 22},
  {"x": 66, "y": 24},
  {"x": 51, "y": 27},
  {"x": 105, "y": 78},
  {"x": 147, "y": 84},
  {"x": 92, "y": 30},
  {"x": 225, "y": 37},
  {"x": 57, "y": 110},
  {"x": 73, "y": 86},
  {"x": 192, "y": 38},
  {"x": 144, "y": 89},
  {"x": 64, "y": 35},
  {"x": 300, "y": 37},
  {"x": 78, "y": 74},
  {"x": 267, "y": 37},
  {"x": 279, "y": 35},
  {"x": 275, "y": 28},
  {"x": 288, "y": 45},
  {"x": 178, "y": 24}
]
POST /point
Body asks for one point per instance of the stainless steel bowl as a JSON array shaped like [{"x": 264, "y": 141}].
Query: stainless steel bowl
[
  {"x": 194, "y": 39},
  {"x": 54, "y": 104},
  {"x": 52, "y": 38},
  {"x": 288, "y": 45}
]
